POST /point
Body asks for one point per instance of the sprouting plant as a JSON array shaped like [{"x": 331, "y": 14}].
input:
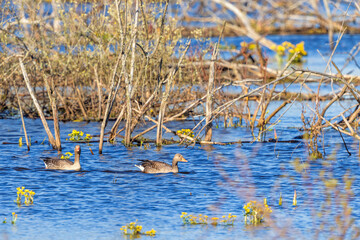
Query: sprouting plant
[
  {"x": 4, "y": 220},
  {"x": 67, "y": 155},
  {"x": 132, "y": 229},
  {"x": 20, "y": 142},
  {"x": 76, "y": 136},
  {"x": 28, "y": 195},
  {"x": 255, "y": 212},
  {"x": 14, "y": 218},
  {"x": 187, "y": 132},
  {"x": 204, "y": 219}
]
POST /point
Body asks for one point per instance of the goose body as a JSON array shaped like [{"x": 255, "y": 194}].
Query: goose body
[
  {"x": 64, "y": 164},
  {"x": 149, "y": 166}
]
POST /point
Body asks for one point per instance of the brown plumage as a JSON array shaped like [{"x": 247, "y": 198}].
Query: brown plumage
[
  {"x": 149, "y": 166},
  {"x": 64, "y": 164}
]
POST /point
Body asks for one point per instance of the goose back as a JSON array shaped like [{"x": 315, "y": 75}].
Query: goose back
[
  {"x": 155, "y": 167},
  {"x": 149, "y": 166}
]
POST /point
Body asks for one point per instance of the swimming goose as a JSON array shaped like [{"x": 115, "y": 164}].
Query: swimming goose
[
  {"x": 64, "y": 164},
  {"x": 149, "y": 166}
]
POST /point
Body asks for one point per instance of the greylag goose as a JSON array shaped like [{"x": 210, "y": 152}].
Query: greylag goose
[
  {"x": 64, "y": 164},
  {"x": 149, "y": 166}
]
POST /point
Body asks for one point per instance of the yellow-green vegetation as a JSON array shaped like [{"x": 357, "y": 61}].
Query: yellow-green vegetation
[
  {"x": 256, "y": 212},
  {"x": 28, "y": 195},
  {"x": 67, "y": 155},
  {"x": 133, "y": 230},
  {"x": 288, "y": 49},
  {"x": 14, "y": 218},
  {"x": 4, "y": 221},
  {"x": 76, "y": 136},
  {"x": 187, "y": 132},
  {"x": 204, "y": 219},
  {"x": 20, "y": 142}
]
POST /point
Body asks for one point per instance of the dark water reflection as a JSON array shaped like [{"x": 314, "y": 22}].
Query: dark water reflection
[{"x": 110, "y": 192}]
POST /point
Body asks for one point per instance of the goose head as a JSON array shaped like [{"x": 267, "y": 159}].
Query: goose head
[{"x": 179, "y": 158}]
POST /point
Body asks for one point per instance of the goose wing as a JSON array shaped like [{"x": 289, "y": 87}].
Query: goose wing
[{"x": 155, "y": 165}]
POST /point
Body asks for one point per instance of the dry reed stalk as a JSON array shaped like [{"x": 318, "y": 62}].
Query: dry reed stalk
[
  {"x": 81, "y": 104},
  {"x": 249, "y": 31},
  {"x": 210, "y": 88},
  {"x": 164, "y": 98},
  {"x": 22, "y": 117},
  {"x": 229, "y": 103},
  {"x": 116, "y": 124},
  {"x": 129, "y": 79},
  {"x": 148, "y": 102},
  {"x": 335, "y": 126},
  {"x": 330, "y": 24},
  {"x": 99, "y": 91},
  {"x": 37, "y": 105},
  {"x": 110, "y": 101},
  {"x": 51, "y": 94}
]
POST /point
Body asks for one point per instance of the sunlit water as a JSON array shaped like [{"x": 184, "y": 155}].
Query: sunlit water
[{"x": 110, "y": 191}]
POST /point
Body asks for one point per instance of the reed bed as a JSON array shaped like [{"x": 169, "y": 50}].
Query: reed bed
[{"x": 128, "y": 61}]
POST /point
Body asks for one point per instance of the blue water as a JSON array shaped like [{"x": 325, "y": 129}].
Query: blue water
[{"x": 110, "y": 192}]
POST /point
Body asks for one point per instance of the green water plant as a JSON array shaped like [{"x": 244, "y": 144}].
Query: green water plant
[
  {"x": 28, "y": 196},
  {"x": 20, "y": 142},
  {"x": 134, "y": 230},
  {"x": 4, "y": 221},
  {"x": 255, "y": 212},
  {"x": 76, "y": 136},
  {"x": 204, "y": 219}
]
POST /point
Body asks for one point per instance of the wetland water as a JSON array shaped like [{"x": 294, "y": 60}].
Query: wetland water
[{"x": 110, "y": 191}]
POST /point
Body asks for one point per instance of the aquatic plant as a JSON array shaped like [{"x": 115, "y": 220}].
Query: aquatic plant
[
  {"x": 76, "y": 136},
  {"x": 28, "y": 195},
  {"x": 14, "y": 218},
  {"x": 255, "y": 212},
  {"x": 152, "y": 232},
  {"x": 20, "y": 142},
  {"x": 204, "y": 219},
  {"x": 132, "y": 229},
  {"x": 4, "y": 220},
  {"x": 67, "y": 155},
  {"x": 187, "y": 132}
]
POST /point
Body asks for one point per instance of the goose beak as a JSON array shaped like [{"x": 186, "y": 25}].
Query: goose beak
[{"x": 183, "y": 159}]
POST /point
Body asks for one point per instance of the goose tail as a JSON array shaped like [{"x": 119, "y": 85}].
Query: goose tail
[{"x": 140, "y": 167}]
